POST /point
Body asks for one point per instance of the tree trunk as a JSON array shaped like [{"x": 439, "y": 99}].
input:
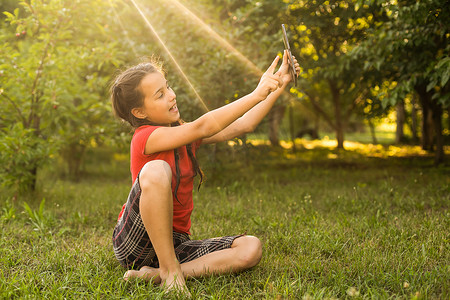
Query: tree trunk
[
  {"x": 316, "y": 126},
  {"x": 437, "y": 124},
  {"x": 339, "y": 125},
  {"x": 448, "y": 118},
  {"x": 414, "y": 120},
  {"x": 372, "y": 131},
  {"x": 429, "y": 133},
  {"x": 33, "y": 184},
  {"x": 291, "y": 126},
  {"x": 244, "y": 145},
  {"x": 434, "y": 112},
  {"x": 318, "y": 111},
  {"x": 73, "y": 155},
  {"x": 427, "y": 130},
  {"x": 275, "y": 117},
  {"x": 35, "y": 122},
  {"x": 399, "y": 134}
]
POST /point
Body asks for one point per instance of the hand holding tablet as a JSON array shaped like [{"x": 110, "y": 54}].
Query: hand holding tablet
[{"x": 291, "y": 58}]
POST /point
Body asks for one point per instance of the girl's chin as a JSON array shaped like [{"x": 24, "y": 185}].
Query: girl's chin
[{"x": 177, "y": 120}]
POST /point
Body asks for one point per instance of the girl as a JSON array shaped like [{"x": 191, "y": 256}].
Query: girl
[{"x": 151, "y": 237}]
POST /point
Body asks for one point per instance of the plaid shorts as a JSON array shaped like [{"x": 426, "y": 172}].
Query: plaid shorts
[{"x": 132, "y": 245}]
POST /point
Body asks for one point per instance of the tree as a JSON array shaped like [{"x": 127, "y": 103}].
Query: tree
[
  {"x": 411, "y": 49},
  {"x": 324, "y": 34},
  {"x": 255, "y": 27},
  {"x": 217, "y": 72},
  {"x": 55, "y": 61}
]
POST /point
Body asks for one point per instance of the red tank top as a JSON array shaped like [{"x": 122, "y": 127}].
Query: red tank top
[{"x": 181, "y": 210}]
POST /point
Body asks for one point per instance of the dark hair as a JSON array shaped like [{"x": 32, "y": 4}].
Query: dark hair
[
  {"x": 195, "y": 166},
  {"x": 127, "y": 95}
]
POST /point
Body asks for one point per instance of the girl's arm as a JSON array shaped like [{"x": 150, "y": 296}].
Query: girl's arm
[
  {"x": 167, "y": 138},
  {"x": 248, "y": 122}
]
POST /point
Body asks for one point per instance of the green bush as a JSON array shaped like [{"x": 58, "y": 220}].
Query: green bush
[{"x": 22, "y": 153}]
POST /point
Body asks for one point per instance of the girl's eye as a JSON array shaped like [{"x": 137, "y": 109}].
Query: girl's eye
[{"x": 160, "y": 96}]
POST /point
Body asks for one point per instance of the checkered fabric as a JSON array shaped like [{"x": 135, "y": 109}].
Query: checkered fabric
[{"x": 132, "y": 245}]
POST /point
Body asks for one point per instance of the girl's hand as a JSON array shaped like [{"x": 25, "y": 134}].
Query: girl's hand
[
  {"x": 284, "y": 70},
  {"x": 269, "y": 81}
]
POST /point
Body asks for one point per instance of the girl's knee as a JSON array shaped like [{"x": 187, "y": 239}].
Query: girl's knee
[
  {"x": 155, "y": 173},
  {"x": 249, "y": 251}
]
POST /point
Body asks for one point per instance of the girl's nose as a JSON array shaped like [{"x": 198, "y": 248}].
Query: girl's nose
[{"x": 172, "y": 94}]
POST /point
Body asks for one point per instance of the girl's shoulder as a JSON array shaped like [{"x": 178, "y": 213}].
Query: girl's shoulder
[
  {"x": 141, "y": 135},
  {"x": 144, "y": 129}
]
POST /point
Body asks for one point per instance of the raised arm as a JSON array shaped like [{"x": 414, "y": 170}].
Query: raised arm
[
  {"x": 248, "y": 122},
  {"x": 166, "y": 138}
]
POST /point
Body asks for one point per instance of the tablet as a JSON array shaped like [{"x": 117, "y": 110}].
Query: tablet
[{"x": 290, "y": 57}]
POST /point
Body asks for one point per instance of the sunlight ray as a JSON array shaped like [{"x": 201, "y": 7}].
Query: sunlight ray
[
  {"x": 170, "y": 54},
  {"x": 125, "y": 32},
  {"x": 223, "y": 42}
]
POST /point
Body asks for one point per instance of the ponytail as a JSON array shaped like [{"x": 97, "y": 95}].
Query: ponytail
[{"x": 195, "y": 167}]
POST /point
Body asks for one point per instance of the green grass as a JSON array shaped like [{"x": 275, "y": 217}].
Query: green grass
[{"x": 334, "y": 224}]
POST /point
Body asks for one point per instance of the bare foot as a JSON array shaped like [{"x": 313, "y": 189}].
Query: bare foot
[
  {"x": 174, "y": 282},
  {"x": 146, "y": 273}
]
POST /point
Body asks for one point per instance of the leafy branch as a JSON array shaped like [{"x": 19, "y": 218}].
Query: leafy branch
[{"x": 15, "y": 106}]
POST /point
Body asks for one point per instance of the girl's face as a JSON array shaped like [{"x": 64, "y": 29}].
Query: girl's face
[{"x": 160, "y": 105}]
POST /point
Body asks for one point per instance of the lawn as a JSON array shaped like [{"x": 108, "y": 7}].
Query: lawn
[{"x": 369, "y": 222}]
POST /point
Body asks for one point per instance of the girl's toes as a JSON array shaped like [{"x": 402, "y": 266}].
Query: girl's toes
[
  {"x": 145, "y": 273},
  {"x": 130, "y": 274}
]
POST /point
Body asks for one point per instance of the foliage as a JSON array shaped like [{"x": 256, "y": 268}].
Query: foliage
[
  {"x": 21, "y": 153},
  {"x": 324, "y": 34},
  {"x": 8, "y": 212},
  {"x": 215, "y": 73},
  {"x": 254, "y": 29},
  {"x": 411, "y": 47},
  {"x": 410, "y": 51},
  {"x": 40, "y": 221},
  {"x": 56, "y": 59}
]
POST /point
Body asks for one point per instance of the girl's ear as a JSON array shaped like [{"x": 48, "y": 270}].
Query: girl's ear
[{"x": 138, "y": 113}]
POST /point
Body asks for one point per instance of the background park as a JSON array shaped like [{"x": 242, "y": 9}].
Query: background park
[{"x": 346, "y": 182}]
